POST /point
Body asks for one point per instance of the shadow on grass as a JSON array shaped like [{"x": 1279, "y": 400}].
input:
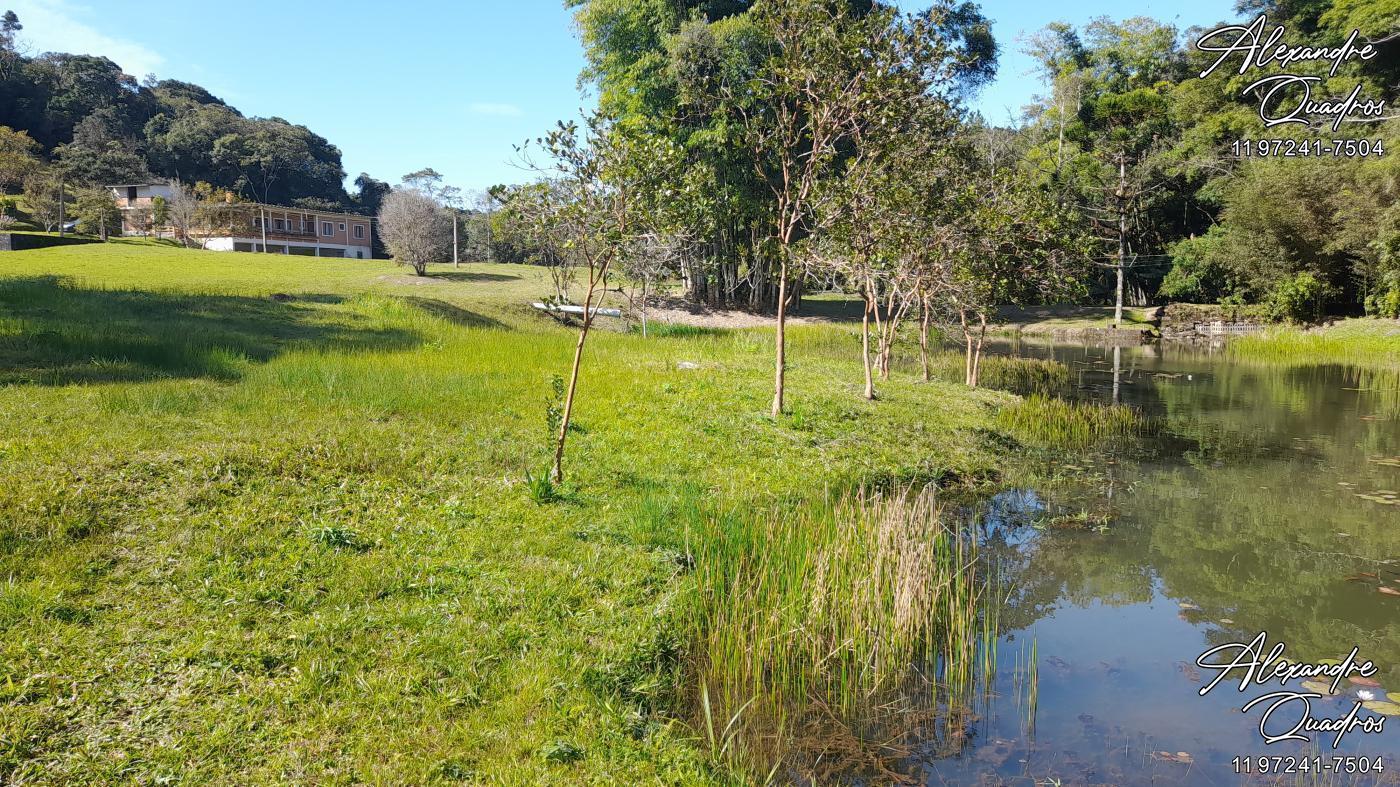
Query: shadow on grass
[
  {"x": 138, "y": 240},
  {"x": 470, "y": 276},
  {"x": 453, "y": 313},
  {"x": 833, "y": 309},
  {"x": 308, "y": 297},
  {"x": 53, "y": 332}
]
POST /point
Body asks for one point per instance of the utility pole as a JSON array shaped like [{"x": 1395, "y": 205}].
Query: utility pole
[
  {"x": 489, "y": 200},
  {"x": 1122, "y": 237},
  {"x": 62, "y": 219}
]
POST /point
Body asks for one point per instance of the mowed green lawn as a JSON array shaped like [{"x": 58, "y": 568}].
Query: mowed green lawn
[{"x": 253, "y": 539}]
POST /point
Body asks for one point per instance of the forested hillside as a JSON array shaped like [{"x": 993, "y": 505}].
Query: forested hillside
[{"x": 106, "y": 127}]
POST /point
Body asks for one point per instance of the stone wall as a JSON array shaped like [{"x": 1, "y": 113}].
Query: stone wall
[
  {"x": 1109, "y": 336},
  {"x": 1207, "y": 320}
]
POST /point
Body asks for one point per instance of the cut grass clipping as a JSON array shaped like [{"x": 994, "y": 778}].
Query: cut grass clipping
[{"x": 830, "y": 636}]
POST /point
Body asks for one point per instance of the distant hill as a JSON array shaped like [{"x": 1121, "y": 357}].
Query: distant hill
[{"x": 107, "y": 127}]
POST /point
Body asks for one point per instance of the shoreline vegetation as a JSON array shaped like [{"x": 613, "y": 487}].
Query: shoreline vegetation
[
  {"x": 303, "y": 535},
  {"x": 1367, "y": 341},
  {"x": 826, "y": 635}
]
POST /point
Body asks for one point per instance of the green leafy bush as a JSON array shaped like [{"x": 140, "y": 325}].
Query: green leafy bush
[
  {"x": 1197, "y": 275},
  {"x": 1385, "y": 300},
  {"x": 1299, "y": 299}
]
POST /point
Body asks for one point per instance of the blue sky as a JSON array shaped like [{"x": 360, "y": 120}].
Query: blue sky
[{"x": 451, "y": 85}]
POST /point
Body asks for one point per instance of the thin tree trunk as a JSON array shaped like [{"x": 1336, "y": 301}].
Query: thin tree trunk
[
  {"x": 781, "y": 348},
  {"x": 889, "y": 331},
  {"x": 977, "y": 356},
  {"x": 880, "y": 362},
  {"x": 62, "y": 218},
  {"x": 967, "y": 338},
  {"x": 923, "y": 340},
  {"x": 1122, "y": 239},
  {"x": 573, "y": 383},
  {"x": 865, "y": 347}
]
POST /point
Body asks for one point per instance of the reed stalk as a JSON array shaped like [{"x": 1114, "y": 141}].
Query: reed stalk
[{"x": 825, "y": 633}]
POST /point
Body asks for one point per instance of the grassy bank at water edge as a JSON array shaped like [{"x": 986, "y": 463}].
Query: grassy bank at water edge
[{"x": 1363, "y": 342}]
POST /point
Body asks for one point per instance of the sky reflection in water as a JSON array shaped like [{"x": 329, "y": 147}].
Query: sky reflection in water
[{"x": 1264, "y": 492}]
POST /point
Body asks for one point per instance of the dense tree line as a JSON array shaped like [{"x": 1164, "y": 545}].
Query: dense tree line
[
  {"x": 1127, "y": 136},
  {"x": 677, "y": 69},
  {"x": 1197, "y": 222}
]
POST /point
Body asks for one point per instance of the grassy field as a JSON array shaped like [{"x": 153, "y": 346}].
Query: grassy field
[
  {"x": 1365, "y": 342},
  {"x": 262, "y": 518}
]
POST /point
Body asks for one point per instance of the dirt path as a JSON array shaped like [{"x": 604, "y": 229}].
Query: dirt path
[{"x": 820, "y": 310}]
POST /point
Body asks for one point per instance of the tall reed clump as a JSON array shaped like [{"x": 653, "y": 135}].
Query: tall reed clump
[
  {"x": 1007, "y": 373},
  {"x": 826, "y": 635},
  {"x": 1374, "y": 343},
  {"x": 1064, "y": 423}
]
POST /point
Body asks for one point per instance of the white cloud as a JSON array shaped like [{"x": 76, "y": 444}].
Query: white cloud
[
  {"x": 58, "y": 26},
  {"x": 495, "y": 110}
]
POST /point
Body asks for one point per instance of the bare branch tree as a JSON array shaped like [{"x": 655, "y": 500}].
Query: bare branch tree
[
  {"x": 416, "y": 229},
  {"x": 45, "y": 196},
  {"x": 651, "y": 258},
  {"x": 182, "y": 211}
]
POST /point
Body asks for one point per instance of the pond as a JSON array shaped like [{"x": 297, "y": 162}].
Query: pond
[{"x": 1264, "y": 501}]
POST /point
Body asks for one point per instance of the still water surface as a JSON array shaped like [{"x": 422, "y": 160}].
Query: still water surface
[{"x": 1267, "y": 501}]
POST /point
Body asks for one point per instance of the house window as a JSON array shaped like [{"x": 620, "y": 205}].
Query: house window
[
  {"x": 278, "y": 224},
  {"x": 326, "y": 229},
  {"x": 342, "y": 226},
  {"x": 257, "y": 222},
  {"x": 359, "y": 232},
  {"x": 131, "y": 193}
]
